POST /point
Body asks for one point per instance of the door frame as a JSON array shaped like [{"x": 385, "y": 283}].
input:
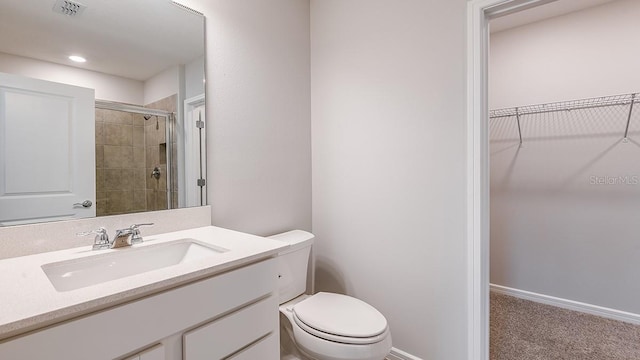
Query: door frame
[
  {"x": 479, "y": 12},
  {"x": 191, "y": 169}
]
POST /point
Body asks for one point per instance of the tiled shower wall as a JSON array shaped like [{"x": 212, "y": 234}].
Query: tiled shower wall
[
  {"x": 128, "y": 147},
  {"x": 120, "y": 162}
]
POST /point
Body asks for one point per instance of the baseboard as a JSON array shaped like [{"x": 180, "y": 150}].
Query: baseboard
[
  {"x": 569, "y": 304},
  {"x": 397, "y": 354}
]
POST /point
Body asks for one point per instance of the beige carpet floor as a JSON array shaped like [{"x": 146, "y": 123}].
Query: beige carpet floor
[{"x": 526, "y": 330}]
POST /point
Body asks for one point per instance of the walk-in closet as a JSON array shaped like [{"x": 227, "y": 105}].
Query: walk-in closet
[{"x": 564, "y": 137}]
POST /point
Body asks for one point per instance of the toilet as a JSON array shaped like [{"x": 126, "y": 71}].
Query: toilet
[{"x": 324, "y": 326}]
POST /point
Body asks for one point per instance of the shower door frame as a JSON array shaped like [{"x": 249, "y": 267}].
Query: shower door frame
[
  {"x": 170, "y": 118},
  {"x": 479, "y": 12}
]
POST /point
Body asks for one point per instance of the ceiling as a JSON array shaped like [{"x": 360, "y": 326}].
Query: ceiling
[
  {"x": 139, "y": 39},
  {"x": 133, "y": 39},
  {"x": 538, "y": 13}
]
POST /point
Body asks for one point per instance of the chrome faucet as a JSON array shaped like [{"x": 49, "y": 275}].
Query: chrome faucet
[
  {"x": 101, "y": 241},
  {"x": 128, "y": 236},
  {"x": 123, "y": 237}
]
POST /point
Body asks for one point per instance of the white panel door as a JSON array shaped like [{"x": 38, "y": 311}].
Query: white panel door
[{"x": 47, "y": 150}]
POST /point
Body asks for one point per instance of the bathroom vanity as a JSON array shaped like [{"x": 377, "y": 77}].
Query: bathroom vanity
[{"x": 213, "y": 298}]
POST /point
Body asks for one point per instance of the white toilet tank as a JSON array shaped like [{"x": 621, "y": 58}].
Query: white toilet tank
[{"x": 293, "y": 263}]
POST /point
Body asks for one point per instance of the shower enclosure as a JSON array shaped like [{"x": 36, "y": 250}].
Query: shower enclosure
[{"x": 135, "y": 157}]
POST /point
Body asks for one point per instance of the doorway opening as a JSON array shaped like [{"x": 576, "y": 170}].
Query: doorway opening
[{"x": 548, "y": 155}]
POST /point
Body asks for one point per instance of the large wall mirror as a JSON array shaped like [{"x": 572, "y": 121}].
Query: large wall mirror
[{"x": 120, "y": 131}]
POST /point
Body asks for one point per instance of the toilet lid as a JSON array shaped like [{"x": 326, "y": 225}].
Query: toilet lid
[{"x": 340, "y": 315}]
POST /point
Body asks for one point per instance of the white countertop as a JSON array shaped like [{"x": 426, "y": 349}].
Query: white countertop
[{"x": 28, "y": 300}]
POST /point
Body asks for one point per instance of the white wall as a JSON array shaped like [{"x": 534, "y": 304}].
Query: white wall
[
  {"x": 162, "y": 85},
  {"x": 388, "y": 131},
  {"x": 107, "y": 87},
  {"x": 584, "y": 54},
  {"x": 194, "y": 75},
  {"x": 258, "y": 138},
  {"x": 553, "y": 230}
]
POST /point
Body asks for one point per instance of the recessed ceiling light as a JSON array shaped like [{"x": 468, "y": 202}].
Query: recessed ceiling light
[{"x": 77, "y": 58}]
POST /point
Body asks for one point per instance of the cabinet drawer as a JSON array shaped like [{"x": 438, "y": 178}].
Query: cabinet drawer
[
  {"x": 231, "y": 333},
  {"x": 266, "y": 349},
  {"x": 155, "y": 353}
]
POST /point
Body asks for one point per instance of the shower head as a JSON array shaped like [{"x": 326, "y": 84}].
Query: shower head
[{"x": 148, "y": 116}]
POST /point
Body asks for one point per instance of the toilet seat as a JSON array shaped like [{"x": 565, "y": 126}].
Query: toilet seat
[
  {"x": 338, "y": 338},
  {"x": 340, "y": 318},
  {"x": 317, "y": 344}
]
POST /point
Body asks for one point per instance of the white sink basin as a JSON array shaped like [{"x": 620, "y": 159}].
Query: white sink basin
[{"x": 123, "y": 262}]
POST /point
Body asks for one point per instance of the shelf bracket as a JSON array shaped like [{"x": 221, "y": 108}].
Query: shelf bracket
[
  {"x": 626, "y": 130},
  {"x": 518, "y": 119}
]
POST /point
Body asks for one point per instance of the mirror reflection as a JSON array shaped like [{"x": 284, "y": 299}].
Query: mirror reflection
[{"x": 101, "y": 108}]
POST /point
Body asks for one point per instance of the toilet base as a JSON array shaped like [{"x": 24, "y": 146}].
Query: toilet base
[{"x": 288, "y": 348}]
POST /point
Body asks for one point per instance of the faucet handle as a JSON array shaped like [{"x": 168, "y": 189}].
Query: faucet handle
[
  {"x": 101, "y": 241},
  {"x": 134, "y": 226},
  {"x": 136, "y": 238}
]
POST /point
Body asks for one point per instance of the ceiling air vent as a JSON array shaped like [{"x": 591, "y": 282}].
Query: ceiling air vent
[{"x": 70, "y": 8}]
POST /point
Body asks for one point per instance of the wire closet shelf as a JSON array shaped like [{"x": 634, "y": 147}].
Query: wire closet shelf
[{"x": 590, "y": 103}]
